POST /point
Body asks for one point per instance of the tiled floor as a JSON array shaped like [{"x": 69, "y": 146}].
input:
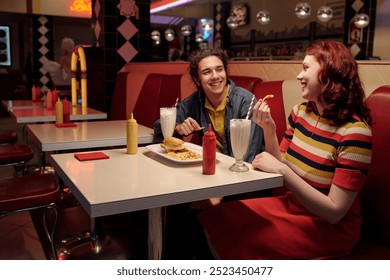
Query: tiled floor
[{"x": 19, "y": 239}]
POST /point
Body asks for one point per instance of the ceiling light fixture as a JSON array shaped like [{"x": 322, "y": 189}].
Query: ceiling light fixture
[
  {"x": 169, "y": 34},
  {"x": 186, "y": 30},
  {"x": 324, "y": 13},
  {"x": 232, "y": 22},
  {"x": 302, "y": 10},
  {"x": 361, "y": 20},
  {"x": 199, "y": 38},
  {"x": 155, "y": 35},
  {"x": 263, "y": 17}
]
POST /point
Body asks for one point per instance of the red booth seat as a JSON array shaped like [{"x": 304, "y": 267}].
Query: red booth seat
[{"x": 375, "y": 196}]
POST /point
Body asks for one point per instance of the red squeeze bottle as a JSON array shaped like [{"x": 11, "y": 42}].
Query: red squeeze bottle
[
  {"x": 66, "y": 111},
  {"x": 209, "y": 150}
]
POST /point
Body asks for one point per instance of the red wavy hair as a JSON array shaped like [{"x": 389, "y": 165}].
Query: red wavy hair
[{"x": 342, "y": 91}]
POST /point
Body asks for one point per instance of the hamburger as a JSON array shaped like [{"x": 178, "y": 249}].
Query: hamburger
[{"x": 172, "y": 144}]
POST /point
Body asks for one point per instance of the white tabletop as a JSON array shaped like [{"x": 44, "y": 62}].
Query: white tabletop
[
  {"x": 35, "y": 115},
  {"x": 125, "y": 183},
  {"x": 22, "y": 104},
  {"x": 92, "y": 134}
]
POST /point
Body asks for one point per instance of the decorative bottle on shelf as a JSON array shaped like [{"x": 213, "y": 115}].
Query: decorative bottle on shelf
[
  {"x": 132, "y": 135},
  {"x": 49, "y": 100},
  {"x": 209, "y": 150},
  {"x": 33, "y": 93},
  {"x": 59, "y": 112},
  {"x": 54, "y": 96},
  {"x": 38, "y": 93}
]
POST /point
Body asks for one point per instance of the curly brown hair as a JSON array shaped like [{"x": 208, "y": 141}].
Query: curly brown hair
[
  {"x": 342, "y": 91},
  {"x": 200, "y": 54}
]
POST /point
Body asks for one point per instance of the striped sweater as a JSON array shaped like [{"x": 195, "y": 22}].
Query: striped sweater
[{"x": 323, "y": 154}]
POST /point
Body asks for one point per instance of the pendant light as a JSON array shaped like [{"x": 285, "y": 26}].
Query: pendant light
[
  {"x": 324, "y": 13},
  {"x": 199, "y": 38},
  {"x": 155, "y": 35},
  {"x": 169, "y": 35},
  {"x": 186, "y": 30},
  {"x": 263, "y": 17},
  {"x": 232, "y": 22},
  {"x": 302, "y": 10},
  {"x": 361, "y": 20}
]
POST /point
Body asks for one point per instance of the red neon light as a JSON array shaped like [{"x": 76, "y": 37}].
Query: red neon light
[{"x": 81, "y": 6}]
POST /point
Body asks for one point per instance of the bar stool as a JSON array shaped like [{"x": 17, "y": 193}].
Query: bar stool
[
  {"x": 17, "y": 155},
  {"x": 8, "y": 136},
  {"x": 31, "y": 192}
]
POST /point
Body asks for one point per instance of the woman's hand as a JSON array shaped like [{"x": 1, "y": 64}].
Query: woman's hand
[
  {"x": 262, "y": 116},
  {"x": 268, "y": 163},
  {"x": 187, "y": 127}
]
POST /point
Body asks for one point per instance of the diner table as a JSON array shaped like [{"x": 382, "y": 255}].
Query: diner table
[
  {"x": 44, "y": 115},
  {"x": 22, "y": 104},
  {"x": 85, "y": 135},
  {"x": 150, "y": 180}
]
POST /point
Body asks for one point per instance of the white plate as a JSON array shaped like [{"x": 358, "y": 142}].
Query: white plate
[{"x": 156, "y": 148}]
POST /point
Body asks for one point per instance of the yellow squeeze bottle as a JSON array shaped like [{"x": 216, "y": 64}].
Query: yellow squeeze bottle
[
  {"x": 59, "y": 116},
  {"x": 132, "y": 135}
]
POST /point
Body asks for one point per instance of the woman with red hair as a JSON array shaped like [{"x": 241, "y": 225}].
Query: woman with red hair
[{"x": 324, "y": 159}]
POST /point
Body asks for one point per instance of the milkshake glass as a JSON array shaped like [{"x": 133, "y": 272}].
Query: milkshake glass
[{"x": 240, "y": 130}]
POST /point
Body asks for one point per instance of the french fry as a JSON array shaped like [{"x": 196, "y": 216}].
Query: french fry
[{"x": 268, "y": 96}]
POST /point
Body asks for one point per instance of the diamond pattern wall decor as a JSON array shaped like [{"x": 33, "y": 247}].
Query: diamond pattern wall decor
[
  {"x": 127, "y": 29},
  {"x": 43, "y": 50}
]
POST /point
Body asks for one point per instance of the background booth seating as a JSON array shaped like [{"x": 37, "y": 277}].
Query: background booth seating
[{"x": 143, "y": 94}]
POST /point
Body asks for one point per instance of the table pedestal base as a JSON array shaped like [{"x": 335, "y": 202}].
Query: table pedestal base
[{"x": 156, "y": 227}]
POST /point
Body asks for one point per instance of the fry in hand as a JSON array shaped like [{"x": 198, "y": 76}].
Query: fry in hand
[{"x": 268, "y": 96}]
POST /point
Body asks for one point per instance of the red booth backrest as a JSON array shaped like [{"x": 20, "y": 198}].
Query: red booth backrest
[
  {"x": 375, "y": 196},
  {"x": 248, "y": 83}
]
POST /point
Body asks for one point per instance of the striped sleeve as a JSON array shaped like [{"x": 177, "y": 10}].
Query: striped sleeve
[{"x": 354, "y": 156}]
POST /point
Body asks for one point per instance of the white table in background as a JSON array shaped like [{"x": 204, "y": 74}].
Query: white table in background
[
  {"x": 125, "y": 183},
  {"x": 95, "y": 134},
  {"x": 21, "y": 104},
  {"x": 43, "y": 115},
  {"x": 86, "y": 135}
]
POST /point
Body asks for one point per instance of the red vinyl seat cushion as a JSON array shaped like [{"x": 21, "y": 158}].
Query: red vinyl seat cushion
[
  {"x": 15, "y": 153},
  {"x": 8, "y": 136},
  {"x": 28, "y": 192}
]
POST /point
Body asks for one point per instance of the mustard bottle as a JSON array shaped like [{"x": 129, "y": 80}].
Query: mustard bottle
[
  {"x": 59, "y": 112},
  {"x": 132, "y": 135}
]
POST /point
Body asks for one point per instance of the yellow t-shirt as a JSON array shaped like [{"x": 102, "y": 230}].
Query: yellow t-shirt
[{"x": 217, "y": 117}]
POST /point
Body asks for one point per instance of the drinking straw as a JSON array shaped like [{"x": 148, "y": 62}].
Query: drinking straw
[{"x": 250, "y": 106}]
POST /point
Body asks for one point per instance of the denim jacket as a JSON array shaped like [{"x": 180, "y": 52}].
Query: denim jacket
[{"x": 237, "y": 104}]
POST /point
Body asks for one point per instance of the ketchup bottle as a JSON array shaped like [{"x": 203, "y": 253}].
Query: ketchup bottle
[
  {"x": 209, "y": 150},
  {"x": 66, "y": 111}
]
